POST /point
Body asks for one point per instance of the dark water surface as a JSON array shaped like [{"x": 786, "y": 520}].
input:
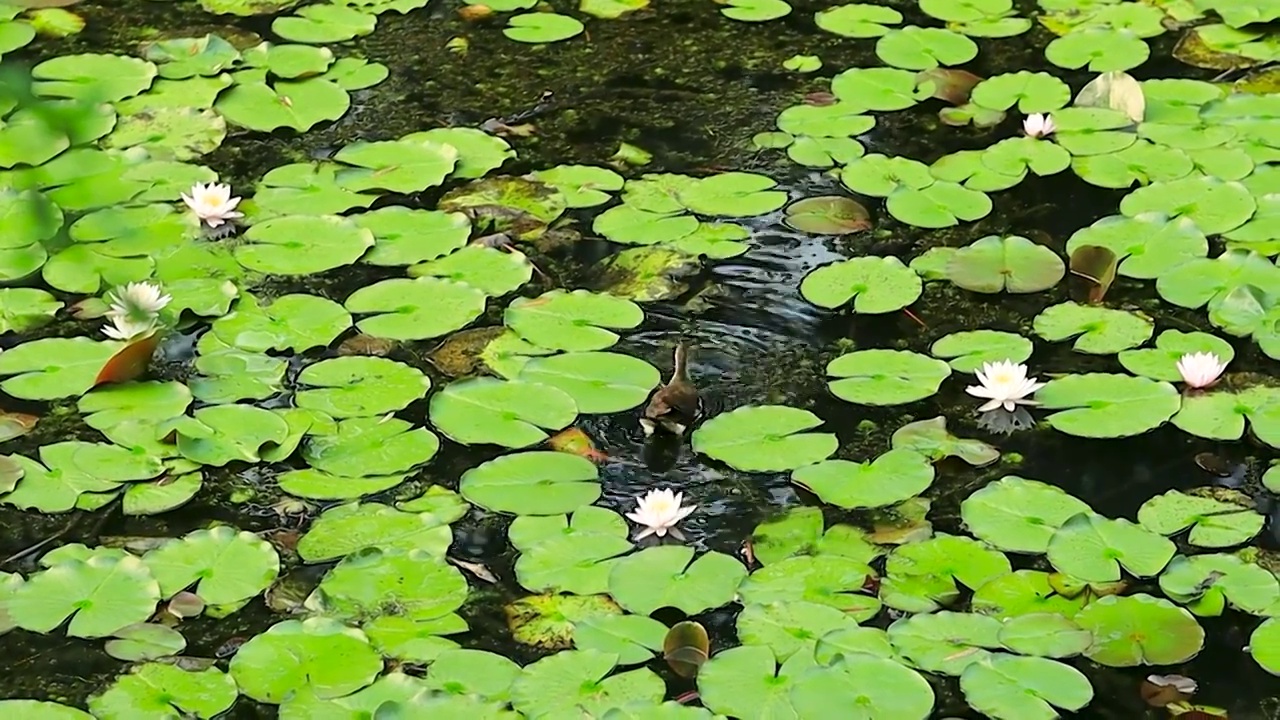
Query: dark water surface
[{"x": 691, "y": 87}]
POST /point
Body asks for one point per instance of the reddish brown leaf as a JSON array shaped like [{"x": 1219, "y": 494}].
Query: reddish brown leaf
[
  {"x": 131, "y": 362},
  {"x": 576, "y": 442},
  {"x": 14, "y": 425},
  {"x": 950, "y": 85}
]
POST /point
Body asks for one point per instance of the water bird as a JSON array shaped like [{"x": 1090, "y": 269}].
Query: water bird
[{"x": 674, "y": 406}]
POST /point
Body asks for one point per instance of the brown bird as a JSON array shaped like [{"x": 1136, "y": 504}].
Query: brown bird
[{"x": 674, "y": 406}]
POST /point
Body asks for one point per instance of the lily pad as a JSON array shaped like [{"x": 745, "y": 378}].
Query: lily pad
[
  {"x": 1019, "y": 515},
  {"x": 532, "y": 483},
  {"x": 580, "y": 681},
  {"x": 888, "y": 479},
  {"x": 1101, "y": 331},
  {"x": 221, "y": 434},
  {"x": 1147, "y": 245},
  {"x": 320, "y": 655},
  {"x": 577, "y": 320},
  {"x": 403, "y": 166},
  {"x": 539, "y": 27},
  {"x": 569, "y": 554},
  {"x": 33, "y": 377},
  {"x": 1094, "y": 548},
  {"x": 416, "y": 309},
  {"x": 945, "y": 642},
  {"x": 857, "y": 20},
  {"x": 69, "y": 470},
  {"x": 344, "y": 529},
  {"x": 1012, "y": 263},
  {"x": 364, "y": 446},
  {"x": 164, "y": 689},
  {"x": 299, "y": 105},
  {"x": 886, "y": 377},
  {"x": 492, "y": 271},
  {"x": 402, "y": 236},
  {"x": 968, "y": 351},
  {"x": 1140, "y": 630},
  {"x": 1263, "y": 643},
  {"x": 732, "y": 194},
  {"x": 659, "y": 577},
  {"x": 101, "y": 594},
  {"x": 1205, "y": 580},
  {"x": 1030, "y": 92},
  {"x": 876, "y": 285},
  {"x": 598, "y": 382},
  {"x": 375, "y": 583},
  {"x": 1213, "y": 523},
  {"x": 301, "y": 245},
  {"x": 932, "y": 439},
  {"x": 1213, "y": 205},
  {"x": 1011, "y": 687},
  {"x": 228, "y": 565},
  {"x": 511, "y": 414},
  {"x": 917, "y": 48},
  {"x": 764, "y": 438},
  {"x": 93, "y": 78},
  {"x": 319, "y": 24},
  {"x": 360, "y": 386},
  {"x": 582, "y": 185},
  {"x": 290, "y": 322},
  {"x": 922, "y": 577}
]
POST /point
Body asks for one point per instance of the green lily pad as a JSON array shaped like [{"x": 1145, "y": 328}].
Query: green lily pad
[
  {"x": 1221, "y": 415},
  {"x": 571, "y": 554},
  {"x": 402, "y": 166},
  {"x": 968, "y": 351},
  {"x": 319, "y": 485},
  {"x": 886, "y": 377},
  {"x": 474, "y": 672},
  {"x": 182, "y": 58},
  {"x": 320, "y": 24},
  {"x": 1161, "y": 363},
  {"x": 583, "y": 186},
  {"x": 532, "y": 483},
  {"x": 290, "y": 322},
  {"x": 228, "y": 565},
  {"x": 876, "y": 285},
  {"x": 745, "y": 682},
  {"x": 1213, "y": 205},
  {"x": 945, "y": 642},
  {"x": 511, "y": 414},
  {"x": 788, "y": 628},
  {"x": 932, "y": 439},
  {"x": 857, "y": 20},
  {"x": 1148, "y": 245},
  {"x": 1024, "y": 592},
  {"x": 69, "y": 470},
  {"x": 1012, "y": 264},
  {"x": 632, "y": 226},
  {"x": 580, "y": 681},
  {"x": 837, "y": 120},
  {"x": 492, "y": 271},
  {"x": 732, "y": 194},
  {"x": 917, "y": 48},
  {"x": 1094, "y": 548},
  {"x": 764, "y": 438},
  {"x": 1209, "y": 281},
  {"x": 221, "y": 434},
  {"x": 827, "y": 215},
  {"x": 110, "y": 405},
  {"x": 922, "y": 577},
  {"x": 364, "y": 446},
  {"x": 1101, "y": 49},
  {"x": 345, "y": 529},
  {"x": 1011, "y": 687},
  {"x": 1030, "y": 92},
  {"x": 540, "y": 27},
  {"x": 308, "y": 189},
  {"x": 1101, "y": 331},
  {"x": 598, "y": 382},
  {"x": 881, "y": 89},
  {"x": 403, "y": 237},
  {"x": 574, "y": 320},
  {"x": 1263, "y": 644},
  {"x": 1194, "y": 580},
  {"x": 663, "y": 576},
  {"x": 1044, "y": 634},
  {"x": 300, "y": 104},
  {"x": 942, "y": 204},
  {"x": 32, "y": 376},
  {"x": 165, "y": 690},
  {"x": 360, "y": 386},
  {"x": 162, "y": 495},
  {"x": 94, "y": 78},
  {"x": 1019, "y": 515},
  {"x": 522, "y": 207},
  {"x": 1213, "y": 523},
  {"x": 1140, "y": 630},
  {"x": 177, "y": 133},
  {"x": 888, "y": 479},
  {"x": 100, "y": 594},
  {"x": 373, "y": 583},
  {"x": 755, "y": 10},
  {"x": 830, "y": 580},
  {"x": 416, "y": 309},
  {"x": 322, "y": 655},
  {"x": 300, "y": 245}
]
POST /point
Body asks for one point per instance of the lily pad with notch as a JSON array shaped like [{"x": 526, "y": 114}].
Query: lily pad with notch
[
  {"x": 1101, "y": 405},
  {"x": 1030, "y": 92},
  {"x": 890, "y": 478},
  {"x": 1015, "y": 514},
  {"x": 827, "y": 215},
  {"x": 1213, "y": 205},
  {"x": 881, "y": 89},
  {"x": 1209, "y": 582},
  {"x": 320, "y": 654},
  {"x": 402, "y": 236},
  {"x": 364, "y": 446},
  {"x": 572, "y": 553},
  {"x": 415, "y": 309},
  {"x": 360, "y": 386},
  {"x": 1094, "y": 548},
  {"x": 69, "y": 470},
  {"x": 100, "y": 594},
  {"x": 830, "y": 580},
  {"x": 789, "y": 627},
  {"x": 917, "y": 48},
  {"x": 668, "y": 576},
  {"x": 857, "y": 20},
  {"x": 1101, "y": 331},
  {"x": 764, "y": 438},
  {"x": 932, "y": 439},
  {"x": 51, "y": 368},
  {"x": 1007, "y": 687},
  {"x": 1148, "y": 245},
  {"x": 598, "y": 382},
  {"x": 876, "y": 285},
  {"x": 1011, "y": 263},
  {"x": 968, "y": 351},
  {"x": 945, "y": 642},
  {"x": 1214, "y": 523},
  {"x": 1161, "y": 362},
  {"x": 886, "y": 377},
  {"x": 508, "y": 413},
  {"x": 580, "y": 681},
  {"x": 1140, "y": 630},
  {"x": 296, "y": 104},
  {"x": 532, "y": 483},
  {"x": 345, "y": 529},
  {"x": 290, "y": 322},
  {"x": 577, "y": 320},
  {"x": 540, "y": 27},
  {"x": 923, "y": 576},
  {"x": 161, "y": 689},
  {"x": 225, "y": 565},
  {"x": 402, "y": 166},
  {"x": 220, "y": 434}
]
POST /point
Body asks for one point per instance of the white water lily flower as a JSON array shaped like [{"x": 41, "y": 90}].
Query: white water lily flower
[
  {"x": 1200, "y": 370},
  {"x": 1004, "y": 383},
  {"x": 659, "y": 511},
  {"x": 212, "y": 203},
  {"x": 127, "y": 330},
  {"x": 138, "y": 299},
  {"x": 1038, "y": 126}
]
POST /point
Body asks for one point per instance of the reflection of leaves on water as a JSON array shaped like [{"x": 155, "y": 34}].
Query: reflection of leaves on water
[{"x": 1004, "y": 422}]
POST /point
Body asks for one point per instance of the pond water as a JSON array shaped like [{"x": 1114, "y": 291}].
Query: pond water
[{"x": 298, "y": 387}]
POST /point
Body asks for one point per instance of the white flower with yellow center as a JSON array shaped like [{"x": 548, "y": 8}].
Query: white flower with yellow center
[
  {"x": 1200, "y": 370},
  {"x": 659, "y": 511},
  {"x": 212, "y": 203},
  {"x": 1004, "y": 383},
  {"x": 134, "y": 310}
]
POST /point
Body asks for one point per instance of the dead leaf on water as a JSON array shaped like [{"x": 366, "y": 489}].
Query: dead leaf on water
[
  {"x": 480, "y": 571},
  {"x": 1094, "y": 269}
]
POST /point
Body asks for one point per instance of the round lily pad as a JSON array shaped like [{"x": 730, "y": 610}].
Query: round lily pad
[
  {"x": 932, "y": 439},
  {"x": 403, "y": 166},
  {"x": 1044, "y": 634},
  {"x": 857, "y": 20},
  {"x": 165, "y": 689},
  {"x": 569, "y": 554},
  {"x": 1102, "y": 405},
  {"x": 788, "y": 627},
  {"x": 1264, "y": 645},
  {"x": 100, "y": 594},
  {"x": 1147, "y": 245},
  {"x": 345, "y": 529},
  {"x": 374, "y": 583},
  {"x": 145, "y": 641},
  {"x": 1101, "y": 331},
  {"x": 574, "y": 320},
  {"x": 402, "y": 236},
  {"x": 881, "y": 89},
  {"x": 1210, "y": 579},
  {"x": 511, "y": 414},
  {"x": 1009, "y": 687},
  {"x": 302, "y": 245},
  {"x": 1011, "y": 263},
  {"x": 493, "y": 271},
  {"x": 93, "y": 78},
  {"x": 1030, "y": 92},
  {"x": 228, "y": 565},
  {"x": 875, "y": 285},
  {"x": 968, "y": 351},
  {"x": 532, "y": 483},
  {"x": 764, "y": 438},
  {"x": 732, "y": 194},
  {"x": 886, "y": 377},
  {"x": 1140, "y": 630},
  {"x": 540, "y": 27},
  {"x": 945, "y": 642},
  {"x": 827, "y": 215},
  {"x": 1019, "y": 515},
  {"x": 364, "y": 446},
  {"x": 669, "y": 576},
  {"x": 888, "y": 479},
  {"x": 1213, "y": 205},
  {"x": 922, "y": 576},
  {"x": 1214, "y": 523},
  {"x": 598, "y": 382},
  {"x": 1024, "y": 592},
  {"x": 300, "y": 104},
  {"x": 320, "y": 654},
  {"x": 360, "y": 386},
  {"x": 755, "y": 10},
  {"x": 582, "y": 185},
  {"x": 580, "y": 681},
  {"x": 917, "y": 48},
  {"x": 415, "y": 309},
  {"x": 1094, "y": 548}
]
